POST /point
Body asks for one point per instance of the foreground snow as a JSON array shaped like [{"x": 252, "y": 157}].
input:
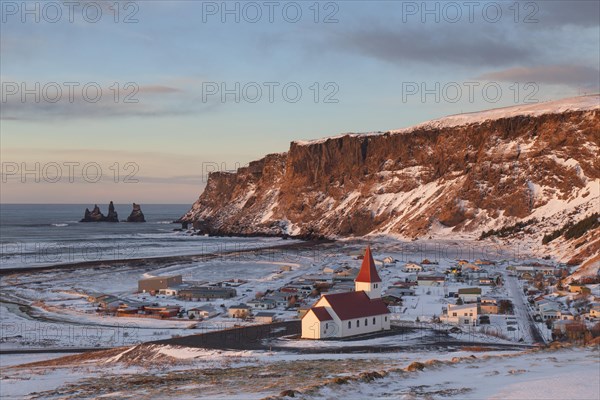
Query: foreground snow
[
  {"x": 566, "y": 374},
  {"x": 182, "y": 373}
]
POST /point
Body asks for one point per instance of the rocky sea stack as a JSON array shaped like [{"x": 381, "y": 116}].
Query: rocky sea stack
[
  {"x": 136, "y": 214},
  {"x": 96, "y": 215}
]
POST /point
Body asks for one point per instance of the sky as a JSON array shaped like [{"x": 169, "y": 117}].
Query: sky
[{"x": 138, "y": 101}]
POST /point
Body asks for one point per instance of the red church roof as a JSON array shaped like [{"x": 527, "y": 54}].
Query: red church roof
[
  {"x": 353, "y": 305},
  {"x": 322, "y": 314},
  {"x": 368, "y": 272}
]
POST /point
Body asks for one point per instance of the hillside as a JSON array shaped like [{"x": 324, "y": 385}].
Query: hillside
[{"x": 465, "y": 173}]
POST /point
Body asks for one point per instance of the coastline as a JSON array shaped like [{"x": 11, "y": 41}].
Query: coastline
[{"x": 150, "y": 261}]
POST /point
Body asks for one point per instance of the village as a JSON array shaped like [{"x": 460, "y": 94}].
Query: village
[{"x": 525, "y": 302}]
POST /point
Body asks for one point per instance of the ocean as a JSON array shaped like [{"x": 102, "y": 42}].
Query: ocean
[{"x": 48, "y": 234}]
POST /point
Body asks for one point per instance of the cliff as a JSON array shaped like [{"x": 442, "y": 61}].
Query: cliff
[{"x": 466, "y": 173}]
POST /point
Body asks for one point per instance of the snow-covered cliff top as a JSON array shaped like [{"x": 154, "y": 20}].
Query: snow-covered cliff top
[{"x": 580, "y": 103}]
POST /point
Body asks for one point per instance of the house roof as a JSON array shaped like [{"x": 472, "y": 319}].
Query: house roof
[
  {"x": 456, "y": 307},
  {"x": 159, "y": 278},
  {"x": 351, "y": 305},
  {"x": 469, "y": 291},
  {"x": 239, "y": 307},
  {"x": 430, "y": 278},
  {"x": 322, "y": 314},
  {"x": 264, "y": 314},
  {"x": 368, "y": 272}
]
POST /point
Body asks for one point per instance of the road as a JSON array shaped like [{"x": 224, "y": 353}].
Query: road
[{"x": 525, "y": 320}]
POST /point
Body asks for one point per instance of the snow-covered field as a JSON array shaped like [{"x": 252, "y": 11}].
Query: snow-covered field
[
  {"x": 567, "y": 374},
  {"x": 57, "y": 315},
  {"x": 183, "y": 373}
]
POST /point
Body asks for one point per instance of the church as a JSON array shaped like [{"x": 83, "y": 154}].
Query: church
[{"x": 353, "y": 313}]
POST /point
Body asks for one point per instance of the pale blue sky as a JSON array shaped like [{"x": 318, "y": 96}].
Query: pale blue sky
[{"x": 371, "y": 52}]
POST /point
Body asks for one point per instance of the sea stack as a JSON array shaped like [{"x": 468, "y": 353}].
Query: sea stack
[
  {"x": 136, "y": 214},
  {"x": 112, "y": 214},
  {"x": 96, "y": 215}
]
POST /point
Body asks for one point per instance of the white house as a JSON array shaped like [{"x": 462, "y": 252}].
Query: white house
[
  {"x": 469, "y": 295},
  {"x": 412, "y": 267},
  {"x": 389, "y": 260},
  {"x": 351, "y": 313},
  {"x": 465, "y": 314},
  {"x": 201, "y": 312},
  {"x": 262, "y": 304}
]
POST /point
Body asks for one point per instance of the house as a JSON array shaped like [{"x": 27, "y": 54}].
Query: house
[
  {"x": 265, "y": 317},
  {"x": 389, "y": 260},
  {"x": 285, "y": 268},
  {"x": 281, "y": 299},
  {"x": 566, "y": 316},
  {"x": 484, "y": 281},
  {"x": 465, "y": 314},
  {"x": 477, "y": 274},
  {"x": 595, "y": 311},
  {"x": 351, "y": 313},
  {"x": 239, "y": 311},
  {"x": 468, "y": 267},
  {"x": 488, "y": 306},
  {"x": 430, "y": 280},
  {"x": 201, "y": 312},
  {"x": 329, "y": 270},
  {"x": 469, "y": 295},
  {"x": 412, "y": 267},
  {"x": 549, "y": 310},
  {"x": 161, "y": 311},
  {"x": 262, "y": 304},
  {"x": 154, "y": 284},
  {"x": 347, "y": 274}
]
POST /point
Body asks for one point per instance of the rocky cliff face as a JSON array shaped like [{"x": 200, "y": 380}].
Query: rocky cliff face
[{"x": 460, "y": 174}]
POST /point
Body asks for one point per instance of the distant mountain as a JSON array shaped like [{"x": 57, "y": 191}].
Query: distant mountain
[{"x": 467, "y": 173}]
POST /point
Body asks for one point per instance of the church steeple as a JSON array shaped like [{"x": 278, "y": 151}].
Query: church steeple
[{"x": 368, "y": 279}]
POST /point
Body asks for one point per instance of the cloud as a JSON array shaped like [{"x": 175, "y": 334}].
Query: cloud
[
  {"x": 448, "y": 45},
  {"x": 56, "y": 100},
  {"x": 571, "y": 75},
  {"x": 584, "y": 13}
]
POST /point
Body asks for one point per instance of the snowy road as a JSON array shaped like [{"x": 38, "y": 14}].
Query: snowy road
[{"x": 525, "y": 320}]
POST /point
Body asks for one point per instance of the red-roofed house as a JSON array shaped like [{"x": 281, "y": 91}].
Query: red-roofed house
[{"x": 351, "y": 313}]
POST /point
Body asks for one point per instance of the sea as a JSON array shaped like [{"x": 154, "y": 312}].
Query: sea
[{"x": 49, "y": 234}]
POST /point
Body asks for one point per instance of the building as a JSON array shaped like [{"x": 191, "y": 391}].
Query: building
[
  {"x": 207, "y": 292},
  {"x": 389, "y": 260},
  {"x": 262, "y": 304},
  {"x": 154, "y": 284},
  {"x": 488, "y": 306},
  {"x": 469, "y": 295},
  {"x": 201, "y": 312},
  {"x": 173, "y": 290},
  {"x": 412, "y": 267},
  {"x": 465, "y": 314},
  {"x": 350, "y": 313},
  {"x": 265, "y": 317},
  {"x": 430, "y": 280},
  {"x": 239, "y": 311}
]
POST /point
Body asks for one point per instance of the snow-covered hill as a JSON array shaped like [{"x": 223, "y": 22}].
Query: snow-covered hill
[{"x": 462, "y": 174}]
